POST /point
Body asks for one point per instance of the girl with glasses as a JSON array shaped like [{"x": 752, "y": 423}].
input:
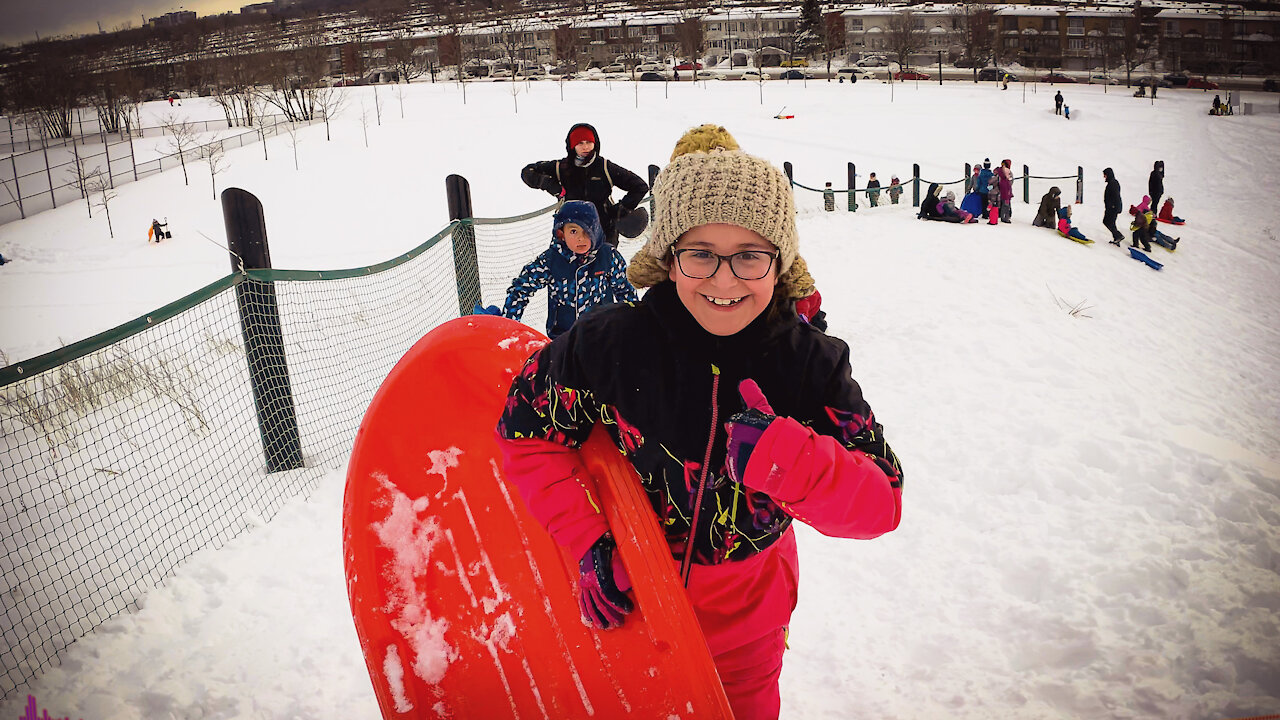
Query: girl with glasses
[{"x": 739, "y": 417}]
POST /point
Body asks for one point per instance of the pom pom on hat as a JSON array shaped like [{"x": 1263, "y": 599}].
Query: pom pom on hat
[{"x": 704, "y": 138}]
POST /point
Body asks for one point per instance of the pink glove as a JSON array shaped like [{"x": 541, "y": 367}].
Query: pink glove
[{"x": 604, "y": 583}]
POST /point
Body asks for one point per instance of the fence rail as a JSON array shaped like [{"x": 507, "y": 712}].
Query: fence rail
[{"x": 33, "y": 138}]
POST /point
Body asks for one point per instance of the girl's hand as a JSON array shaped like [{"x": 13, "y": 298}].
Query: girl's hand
[{"x": 746, "y": 428}]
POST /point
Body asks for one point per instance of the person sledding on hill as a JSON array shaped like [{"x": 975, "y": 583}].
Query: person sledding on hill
[
  {"x": 950, "y": 213},
  {"x": 739, "y": 418},
  {"x": 580, "y": 271},
  {"x": 1144, "y": 218},
  {"x": 157, "y": 232},
  {"x": 929, "y": 205},
  {"x": 1167, "y": 216},
  {"x": 1065, "y": 228},
  {"x": 1050, "y": 204},
  {"x": 584, "y": 175}
]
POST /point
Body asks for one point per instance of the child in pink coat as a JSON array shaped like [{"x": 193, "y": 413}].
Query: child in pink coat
[{"x": 739, "y": 417}]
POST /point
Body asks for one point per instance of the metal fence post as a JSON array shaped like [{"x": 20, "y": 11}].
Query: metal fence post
[
  {"x": 106, "y": 150},
  {"x": 466, "y": 266},
  {"x": 853, "y": 188},
  {"x": 1079, "y": 184},
  {"x": 1026, "y": 184},
  {"x": 653, "y": 202},
  {"x": 915, "y": 185},
  {"x": 17, "y": 187},
  {"x": 47, "y": 172},
  {"x": 968, "y": 179},
  {"x": 263, "y": 338}
]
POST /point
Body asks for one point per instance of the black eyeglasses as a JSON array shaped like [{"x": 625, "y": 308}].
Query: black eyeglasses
[{"x": 746, "y": 265}]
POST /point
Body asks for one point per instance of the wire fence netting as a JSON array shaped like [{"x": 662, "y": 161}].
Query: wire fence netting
[{"x": 123, "y": 455}]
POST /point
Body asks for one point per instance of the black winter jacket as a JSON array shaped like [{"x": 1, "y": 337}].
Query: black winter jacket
[
  {"x": 1155, "y": 184},
  {"x": 1050, "y": 204},
  {"x": 1111, "y": 204},
  {"x": 592, "y": 182},
  {"x": 646, "y": 371}
]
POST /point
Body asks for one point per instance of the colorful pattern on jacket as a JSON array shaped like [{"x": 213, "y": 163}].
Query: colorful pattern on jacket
[
  {"x": 646, "y": 371},
  {"x": 574, "y": 284}
]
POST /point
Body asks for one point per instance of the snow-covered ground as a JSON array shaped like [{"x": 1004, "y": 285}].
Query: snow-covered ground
[{"x": 1091, "y": 524}]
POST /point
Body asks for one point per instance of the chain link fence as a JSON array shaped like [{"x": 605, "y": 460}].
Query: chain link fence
[{"x": 124, "y": 454}]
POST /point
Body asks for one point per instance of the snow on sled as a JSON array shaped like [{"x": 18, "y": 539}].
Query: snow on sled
[
  {"x": 465, "y": 607},
  {"x": 1137, "y": 254}
]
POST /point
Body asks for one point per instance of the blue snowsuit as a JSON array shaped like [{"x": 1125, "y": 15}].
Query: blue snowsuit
[{"x": 575, "y": 283}]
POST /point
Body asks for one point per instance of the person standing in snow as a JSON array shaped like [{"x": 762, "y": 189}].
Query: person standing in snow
[
  {"x": 1057, "y": 103},
  {"x": 584, "y": 175},
  {"x": 1005, "y": 175},
  {"x": 580, "y": 271},
  {"x": 895, "y": 189},
  {"x": 984, "y": 185},
  {"x": 873, "y": 191},
  {"x": 738, "y": 416},
  {"x": 1155, "y": 184},
  {"x": 1111, "y": 205}
]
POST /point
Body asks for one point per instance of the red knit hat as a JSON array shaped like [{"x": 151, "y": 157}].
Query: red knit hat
[{"x": 581, "y": 134}]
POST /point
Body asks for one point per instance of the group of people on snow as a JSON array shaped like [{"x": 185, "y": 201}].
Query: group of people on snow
[{"x": 730, "y": 327}]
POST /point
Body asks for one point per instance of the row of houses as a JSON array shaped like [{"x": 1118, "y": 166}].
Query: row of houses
[{"x": 1209, "y": 38}]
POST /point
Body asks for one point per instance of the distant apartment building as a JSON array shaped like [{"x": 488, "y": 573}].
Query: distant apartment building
[{"x": 171, "y": 19}]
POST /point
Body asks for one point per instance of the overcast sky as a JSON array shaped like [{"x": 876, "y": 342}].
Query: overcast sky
[{"x": 20, "y": 20}]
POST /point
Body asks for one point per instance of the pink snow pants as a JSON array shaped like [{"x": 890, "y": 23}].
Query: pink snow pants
[{"x": 744, "y": 609}]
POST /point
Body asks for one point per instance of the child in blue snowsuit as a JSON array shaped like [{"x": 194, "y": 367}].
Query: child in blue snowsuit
[{"x": 579, "y": 270}]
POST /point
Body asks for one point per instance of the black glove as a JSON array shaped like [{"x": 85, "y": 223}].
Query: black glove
[
  {"x": 549, "y": 184},
  {"x": 871, "y": 441},
  {"x": 603, "y": 584}
]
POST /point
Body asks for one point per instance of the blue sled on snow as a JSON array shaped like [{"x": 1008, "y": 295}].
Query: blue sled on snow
[{"x": 1137, "y": 254}]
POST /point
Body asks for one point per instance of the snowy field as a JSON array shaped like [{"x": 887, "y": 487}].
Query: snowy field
[{"x": 1092, "y": 512}]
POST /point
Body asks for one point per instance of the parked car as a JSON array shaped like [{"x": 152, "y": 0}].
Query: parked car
[
  {"x": 872, "y": 61},
  {"x": 795, "y": 62},
  {"x": 1151, "y": 80},
  {"x": 614, "y": 68},
  {"x": 651, "y": 68},
  {"x": 1057, "y": 78},
  {"x": 1201, "y": 84},
  {"x": 854, "y": 74},
  {"x": 1270, "y": 85},
  {"x": 753, "y": 74},
  {"x": 689, "y": 66},
  {"x": 1247, "y": 68},
  {"x": 910, "y": 75},
  {"x": 1103, "y": 80},
  {"x": 566, "y": 70},
  {"x": 794, "y": 74},
  {"x": 652, "y": 77},
  {"x": 1178, "y": 79},
  {"x": 500, "y": 74},
  {"x": 995, "y": 73}
]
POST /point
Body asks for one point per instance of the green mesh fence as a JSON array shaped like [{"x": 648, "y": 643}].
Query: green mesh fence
[{"x": 124, "y": 454}]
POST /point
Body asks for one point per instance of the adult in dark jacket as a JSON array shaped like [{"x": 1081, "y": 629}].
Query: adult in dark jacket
[
  {"x": 584, "y": 175},
  {"x": 984, "y": 184},
  {"x": 929, "y": 206},
  {"x": 1057, "y": 103},
  {"x": 1111, "y": 205},
  {"x": 1155, "y": 185},
  {"x": 1050, "y": 204}
]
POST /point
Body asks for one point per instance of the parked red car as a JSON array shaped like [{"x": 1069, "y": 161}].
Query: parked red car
[
  {"x": 1057, "y": 78},
  {"x": 1200, "y": 84},
  {"x": 910, "y": 75},
  {"x": 688, "y": 66}
]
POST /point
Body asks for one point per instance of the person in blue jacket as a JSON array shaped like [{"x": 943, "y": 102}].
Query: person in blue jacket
[{"x": 580, "y": 271}]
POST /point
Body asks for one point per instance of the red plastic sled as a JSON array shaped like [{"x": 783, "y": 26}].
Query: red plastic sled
[{"x": 465, "y": 606}]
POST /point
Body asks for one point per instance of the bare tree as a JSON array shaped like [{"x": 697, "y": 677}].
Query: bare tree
[
  {"x": 115, "y": 96},
  {"x": 182, "y": 140},
  {"x": 79, "y": 173},
  {"x": 295, "y": 139},
  {"x": 49, "y": 85},
  {"x": 331, "y": 100},
  {"x": 979, "y": 39},
  {"x": 566, "y": 45},
  {"x": 97, "y": 183},
  {"x": 215, "y": 154},
  {"x": 691, "y": 37},
  {"x": 903, "y": 37},
  {"x": 364, "y": 121},
  {"x": 404, "y": 57}
]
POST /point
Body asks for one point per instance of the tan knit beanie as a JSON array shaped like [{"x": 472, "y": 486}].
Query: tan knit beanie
[{"x": 721, "y": 186}]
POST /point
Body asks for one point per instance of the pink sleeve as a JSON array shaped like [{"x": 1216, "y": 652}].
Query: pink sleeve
[
  {"x": 837, "y": 491},
  {"x": 556, "y": 489}
]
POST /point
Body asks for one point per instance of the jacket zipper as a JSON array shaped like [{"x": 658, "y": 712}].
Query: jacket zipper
[{"x": 686, "y": 564}]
